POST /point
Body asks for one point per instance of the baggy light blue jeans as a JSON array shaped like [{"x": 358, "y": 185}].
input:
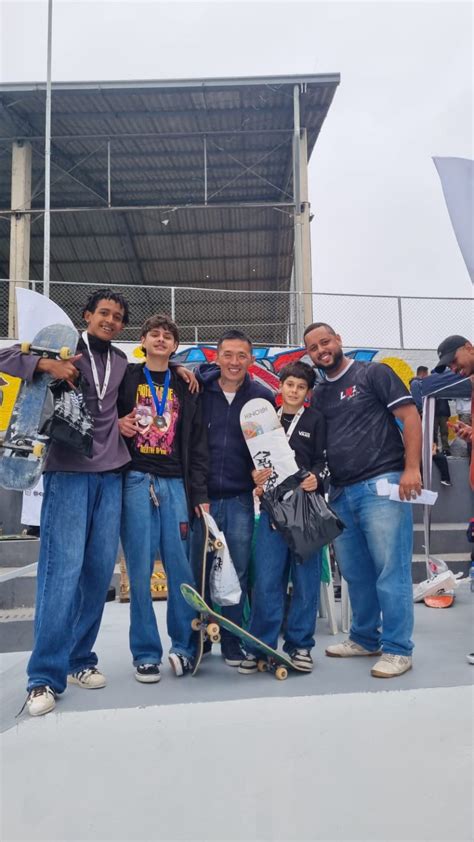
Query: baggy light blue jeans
[
  {"x": 80, "y": 522},
  {"x": 149, "y": 531},
  {"x": 375, "y": 554}
]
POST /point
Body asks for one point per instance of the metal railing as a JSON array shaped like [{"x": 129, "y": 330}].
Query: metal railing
[{"x": 202, "y": 315}]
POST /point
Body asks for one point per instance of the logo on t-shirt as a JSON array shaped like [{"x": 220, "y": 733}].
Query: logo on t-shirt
[{"x": 348, "y": 393}]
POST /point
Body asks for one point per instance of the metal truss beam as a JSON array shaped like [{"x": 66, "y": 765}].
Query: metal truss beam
[{"x": 168, "y": 207}]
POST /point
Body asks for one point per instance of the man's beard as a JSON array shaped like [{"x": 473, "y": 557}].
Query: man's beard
[{"x": 337, "y": 357}]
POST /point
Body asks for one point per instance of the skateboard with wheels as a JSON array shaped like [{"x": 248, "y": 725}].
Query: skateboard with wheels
[
  {"x": 266, "y": 441},
  {"x": 23, "y": 449},
  {"x": 207, "y": 631},
  {"x": 271, "y": 661}
]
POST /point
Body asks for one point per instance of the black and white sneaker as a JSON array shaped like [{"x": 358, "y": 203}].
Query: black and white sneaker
[
  {"x": 179, "y": 664},
  {"x": 148, "y": 673},
  {"x": 232, "y": 654},
  {"x": 302, "y": 659},
  {"x": 248, "y": 666}
]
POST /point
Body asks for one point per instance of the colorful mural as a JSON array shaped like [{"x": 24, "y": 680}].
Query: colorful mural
[{"x": 269, "y": 361}]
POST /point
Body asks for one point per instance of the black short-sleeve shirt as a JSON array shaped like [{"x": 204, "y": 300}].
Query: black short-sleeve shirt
[{"x": 363, "y": 438}]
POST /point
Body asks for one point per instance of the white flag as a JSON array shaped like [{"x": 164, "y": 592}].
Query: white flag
[{"x": 457, "y": 181}]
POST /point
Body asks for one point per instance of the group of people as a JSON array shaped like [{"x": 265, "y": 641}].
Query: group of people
[{"x": 168, "y": 444}]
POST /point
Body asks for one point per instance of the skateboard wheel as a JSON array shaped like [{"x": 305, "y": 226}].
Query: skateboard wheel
[
  {"x": 218, "y": 545},
  {"x": 25, "y": 347},
  {"x": 64, "y": 353},
  {"x": 215, "y": 638},
  {"x": 212, "y": 629},
  {"x": 262, "y": 666},
  {"x": 281, "y": 673},
  {"x": 38, "y": 450},
  {"x": 196, "y": 624}
]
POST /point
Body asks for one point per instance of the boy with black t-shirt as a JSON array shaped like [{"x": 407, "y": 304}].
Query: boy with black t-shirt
[
  {"x": 362, "y": 403},
  {"x": 163, "y": 487},
  {"x": 274, "y": 561}
]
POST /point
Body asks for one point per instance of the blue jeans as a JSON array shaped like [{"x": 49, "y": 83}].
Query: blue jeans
[
  {"x": 80, "y": 522},
  {"x": 149, "y": 531},
  {"x": 274, "y": 565},
  {"x": 235, "y": 517},
  {"x": 374, "y": 554}
]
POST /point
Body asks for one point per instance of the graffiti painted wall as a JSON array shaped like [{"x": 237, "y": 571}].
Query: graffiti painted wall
[{"x": 268, "y": 364}]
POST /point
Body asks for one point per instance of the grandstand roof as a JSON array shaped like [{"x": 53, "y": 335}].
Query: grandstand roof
[{"x": 200, "y": 189}]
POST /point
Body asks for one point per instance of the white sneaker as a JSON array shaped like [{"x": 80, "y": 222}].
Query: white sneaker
[
  {"x": 391, "y": 665},
  {"x": 445, "y": 581},
  {"x": 349, "y": 649},
  {"x": 41, "y": 700},
  {"x": 90, "y": 678}
]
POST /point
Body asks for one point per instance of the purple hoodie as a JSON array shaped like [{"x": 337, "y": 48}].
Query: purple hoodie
[{"x": 109, "y": 452}]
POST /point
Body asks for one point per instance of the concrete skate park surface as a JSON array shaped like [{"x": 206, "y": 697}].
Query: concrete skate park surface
[{"x": 335, "y": 755}]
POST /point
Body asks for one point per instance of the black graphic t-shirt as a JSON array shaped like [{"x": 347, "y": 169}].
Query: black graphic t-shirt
[
  {"x": 363, "y": 438},
  {"x": 156, "y": 450}
]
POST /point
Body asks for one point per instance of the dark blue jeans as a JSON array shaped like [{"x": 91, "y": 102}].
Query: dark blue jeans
[
  {"x": 374, "y": 554},
  {"x": 235, "y": 518},
  {"x": 80, "y": 521},
  {"x": 274, "y": 565}
]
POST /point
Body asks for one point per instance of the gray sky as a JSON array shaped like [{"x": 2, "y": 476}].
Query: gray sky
[{"x": 381, "y": 225}]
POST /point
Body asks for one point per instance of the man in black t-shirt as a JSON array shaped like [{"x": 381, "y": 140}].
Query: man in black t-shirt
[
  {"x": 164, "y": 485},
  {"x": 364, "y": 404}
]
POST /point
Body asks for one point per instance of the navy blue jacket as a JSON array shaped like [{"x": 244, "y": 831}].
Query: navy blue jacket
[{"x": 230, "y": 463}]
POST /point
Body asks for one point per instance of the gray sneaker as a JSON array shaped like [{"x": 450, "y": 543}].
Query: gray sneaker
[{"x": 349, "y": 649}]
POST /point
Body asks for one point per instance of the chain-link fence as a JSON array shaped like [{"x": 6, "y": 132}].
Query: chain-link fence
[{"x": 269, "y": 318}]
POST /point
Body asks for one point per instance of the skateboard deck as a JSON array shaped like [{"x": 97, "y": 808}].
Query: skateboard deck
[
  {"x": 266, "y": 441},
  {"x": 23, "y": 449},
  {"x": 275, "y": 662},
  {"x": 209, "y": 545}
]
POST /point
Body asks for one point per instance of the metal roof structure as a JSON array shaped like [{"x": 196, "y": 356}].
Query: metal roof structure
[{"x": 178, "y": 182}]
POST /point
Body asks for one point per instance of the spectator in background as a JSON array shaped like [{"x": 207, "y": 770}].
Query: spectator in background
[
  {"x": 457, "y": 353},
  {"x": 442, "y": 410}
]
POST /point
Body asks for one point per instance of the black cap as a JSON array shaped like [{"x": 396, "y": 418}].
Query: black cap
[{"x": 447, "y": 350}]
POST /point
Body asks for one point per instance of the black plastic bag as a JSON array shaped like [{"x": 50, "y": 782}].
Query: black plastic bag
[
  {"x": 304, "y": 518},
  {"x": 70, "y": 422}
]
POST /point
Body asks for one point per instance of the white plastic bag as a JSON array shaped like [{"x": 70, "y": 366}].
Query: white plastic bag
[{"x": 223, "y": 580}]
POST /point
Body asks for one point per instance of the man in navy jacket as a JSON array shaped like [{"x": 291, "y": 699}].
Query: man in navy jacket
[{"x": 225, "y": 388}]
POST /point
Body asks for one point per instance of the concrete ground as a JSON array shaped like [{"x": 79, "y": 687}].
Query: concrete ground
[{"x": 335, "y": 755}]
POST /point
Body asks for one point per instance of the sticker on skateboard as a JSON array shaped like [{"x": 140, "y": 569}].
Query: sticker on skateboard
[
  {"x": 210, "y": 620},
  {"x": 22, "y": 451},
  {"x": 266, "y": 441}
]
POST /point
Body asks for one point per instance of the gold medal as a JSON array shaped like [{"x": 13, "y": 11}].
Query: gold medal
[{"x": 159, "y": 422}]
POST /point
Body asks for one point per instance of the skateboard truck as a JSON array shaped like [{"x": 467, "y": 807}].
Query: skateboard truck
[
  {"x": 24, "y": 448},
  {"x": 63, "y": 353}
]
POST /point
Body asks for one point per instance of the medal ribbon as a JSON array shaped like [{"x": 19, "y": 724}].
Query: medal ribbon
[
  {"x": 95, "y": 374},
  {"x": 159, "y": 405},
  {"x": 294, "y": 422}
]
